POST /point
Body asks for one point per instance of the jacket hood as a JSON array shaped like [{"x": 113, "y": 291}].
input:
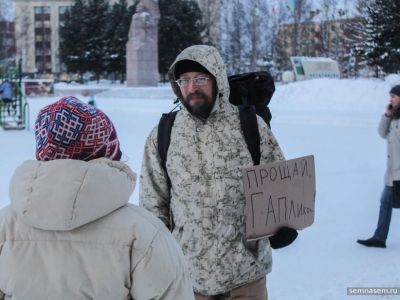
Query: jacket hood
[
  {"x": 209, "y": 58},
  {"x": 65, "y": 194}
]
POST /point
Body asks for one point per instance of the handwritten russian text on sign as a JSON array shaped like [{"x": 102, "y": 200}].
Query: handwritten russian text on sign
[{"x": 279, "y": 194}]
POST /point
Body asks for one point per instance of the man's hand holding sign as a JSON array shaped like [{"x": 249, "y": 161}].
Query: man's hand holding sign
[{"x": 280, "y": 197}]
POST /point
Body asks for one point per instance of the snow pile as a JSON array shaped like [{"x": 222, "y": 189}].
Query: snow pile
[{"x": 332, "y": 94}]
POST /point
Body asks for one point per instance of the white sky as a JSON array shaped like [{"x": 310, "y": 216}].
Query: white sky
[{"x": 7, "y": 9}]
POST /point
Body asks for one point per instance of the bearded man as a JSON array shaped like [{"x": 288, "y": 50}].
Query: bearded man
[{"x": 199, "y": 195}]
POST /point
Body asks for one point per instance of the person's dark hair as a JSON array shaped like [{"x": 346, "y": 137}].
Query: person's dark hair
[{"x": 395, "y": 90}]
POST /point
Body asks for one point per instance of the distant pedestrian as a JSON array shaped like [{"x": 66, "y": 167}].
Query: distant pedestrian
[
  {"x": 70, "y": 233},
  {"x": 6, "y": 91},
  {"x": 89, "y": 95},
  {"x": 389, "y": 129},
  {"x": 92, "y": 101}
]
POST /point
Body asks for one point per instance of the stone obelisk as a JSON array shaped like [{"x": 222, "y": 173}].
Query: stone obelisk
[{"x": 142, "y": 46}]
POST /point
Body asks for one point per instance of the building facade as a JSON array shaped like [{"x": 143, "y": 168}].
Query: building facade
[
  {"x": 332, "y": 38},
  {"x": 7, "y": 43},
  {"x": 37, "y": 39},
  {"x": 37, "y": 25}
]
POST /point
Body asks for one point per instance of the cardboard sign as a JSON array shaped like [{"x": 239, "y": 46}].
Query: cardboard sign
[{"x": 279, "y": 194}]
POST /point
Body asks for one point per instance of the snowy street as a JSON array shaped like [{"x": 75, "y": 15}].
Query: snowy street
[{"x": 334, "y": 120}]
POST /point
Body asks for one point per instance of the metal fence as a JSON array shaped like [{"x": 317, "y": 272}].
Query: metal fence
[{"x": 14, "y": 114}]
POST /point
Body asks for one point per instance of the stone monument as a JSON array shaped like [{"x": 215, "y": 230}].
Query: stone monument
[{"x": 142, "y": 46}]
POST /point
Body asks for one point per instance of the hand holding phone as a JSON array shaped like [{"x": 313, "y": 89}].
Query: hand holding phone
[{"x": 389, "y": 110}]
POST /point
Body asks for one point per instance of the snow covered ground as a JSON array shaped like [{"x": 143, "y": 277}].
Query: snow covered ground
[{"x": 336, "y": 121}]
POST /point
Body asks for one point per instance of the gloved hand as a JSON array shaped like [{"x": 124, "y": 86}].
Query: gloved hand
[{"x": 283, "y": 237}]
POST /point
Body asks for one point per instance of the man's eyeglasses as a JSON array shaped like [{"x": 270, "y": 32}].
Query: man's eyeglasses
[{"x": 183, "y": 82}]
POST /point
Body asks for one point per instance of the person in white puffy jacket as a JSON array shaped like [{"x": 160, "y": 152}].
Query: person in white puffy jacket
[{"x": 69, "y": 232}]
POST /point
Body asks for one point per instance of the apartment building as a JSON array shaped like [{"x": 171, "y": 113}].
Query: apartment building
[
  {"x": 37, "y": 24},
  {"x": 333, "y": 38},
  {"x": 7, "y": 43}
]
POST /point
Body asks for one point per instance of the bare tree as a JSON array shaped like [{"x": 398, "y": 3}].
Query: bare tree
[
  {"x": 300, "y": 12},
  {"x": 211, "y": 9},
  {"x": 4, "y": 10},
  {"x": 24, "y": 36},
  {"x": 279, "y": 44},
  {"x": 246, "y": 34},
  {"x": 7, "y": 44},
  {"x": 232, "y": 42},
  {"x": 328, "y": 11},
  {"x": 259, "y": 32}
]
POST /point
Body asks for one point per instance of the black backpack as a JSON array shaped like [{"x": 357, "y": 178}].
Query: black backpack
[
  {"x": 251, "y": 92},
  {"x": 255, "y": 89}
]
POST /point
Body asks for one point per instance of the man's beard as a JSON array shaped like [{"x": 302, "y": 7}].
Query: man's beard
[{"x": 201, "y": 110}]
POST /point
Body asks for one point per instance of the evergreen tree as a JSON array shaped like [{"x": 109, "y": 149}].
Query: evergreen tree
[
  {"x": 93, "y": 38},
  {"x": 383, "y": 43},
  {"x": 73, "y": 37},
  {"x": 355, "y": 35},
  {"x": 2, "y": 46},
  {"x": 180, "y": 26},
  {"x": 82, "y": 38},
  {"x": 117, "y": 32},
  {"x": 94, "y": 23}
]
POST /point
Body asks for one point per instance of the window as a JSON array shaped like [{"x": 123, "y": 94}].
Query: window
[
  {"x": 42, "y": 38},
  {"x": 61, "y": 13},
  {"x": 63, "y": 9},
  {"x": 41, "y": 10}
]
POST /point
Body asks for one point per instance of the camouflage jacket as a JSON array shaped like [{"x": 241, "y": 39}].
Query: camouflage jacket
[{"x": 206, "y": 202}]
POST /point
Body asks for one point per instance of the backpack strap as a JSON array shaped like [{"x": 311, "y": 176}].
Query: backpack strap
[
  {"x": 163, "y": 140},
  {"x": 164, "y": 136},
  {"x": 249, "y": 125}
]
